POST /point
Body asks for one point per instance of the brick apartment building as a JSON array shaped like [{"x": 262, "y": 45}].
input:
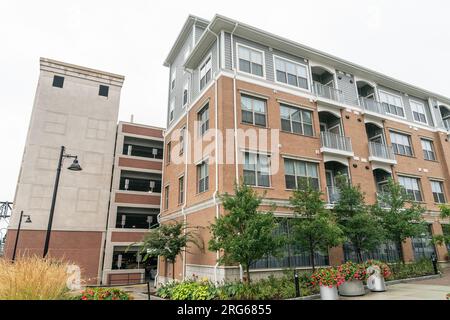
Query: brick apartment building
[
  {"x": 108, "y": 205},
  {"x": 333, "y": 117}
]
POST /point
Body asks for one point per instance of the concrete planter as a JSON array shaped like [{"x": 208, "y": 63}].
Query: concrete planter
[
  {"x": 327, "y": 293},
  {"x": 352, "y": 288}
]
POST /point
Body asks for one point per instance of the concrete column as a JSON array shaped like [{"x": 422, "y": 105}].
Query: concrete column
[
  {"x": 441, "y": 250},
  {"x": 408, "y": 251},
  {"x": 336, "y": 255}
]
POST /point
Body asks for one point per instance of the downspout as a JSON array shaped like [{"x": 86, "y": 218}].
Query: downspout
[
  {"x": 236, "y": 148},
  {"x": 233, "y": 67},
  {"x": 216, "y": 143},
  {"x": 186, "y": 150},
  {"x": 162, "y": 180}
]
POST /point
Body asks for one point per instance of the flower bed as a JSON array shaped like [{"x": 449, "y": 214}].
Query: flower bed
[
  {"x": 272, "y": 288},
  {"x": 103, "y": 294}
]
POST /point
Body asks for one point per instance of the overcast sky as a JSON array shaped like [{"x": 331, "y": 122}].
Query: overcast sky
[{"x": 409, "y": 40}]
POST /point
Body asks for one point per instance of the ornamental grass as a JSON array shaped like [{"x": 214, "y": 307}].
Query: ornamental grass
[{"x": 33, "y": 278}]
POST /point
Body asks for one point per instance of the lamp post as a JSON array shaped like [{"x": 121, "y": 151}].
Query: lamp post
[
  {"x": 75, "y": 166},
  {"x": 18, "y": 231}
]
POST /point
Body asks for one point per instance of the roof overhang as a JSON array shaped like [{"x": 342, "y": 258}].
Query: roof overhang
[
  {"x": 184, "y": 33},
  {"x": 219, "y": 23}
]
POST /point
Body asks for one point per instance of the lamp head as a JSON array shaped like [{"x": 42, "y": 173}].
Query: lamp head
[{"x": 75, "y": 166}]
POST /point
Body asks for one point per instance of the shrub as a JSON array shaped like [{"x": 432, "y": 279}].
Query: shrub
[
  {"x": 103, "y": 294},
  {"x": 33, "y": 278},
  {"x": 272, "y": 288},
  {"x": 418, "y": 268}
]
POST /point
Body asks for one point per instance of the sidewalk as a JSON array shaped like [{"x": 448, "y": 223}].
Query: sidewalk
[{"x": 432, "y": 289}]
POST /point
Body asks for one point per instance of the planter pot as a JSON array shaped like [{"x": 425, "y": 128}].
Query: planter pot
[
  {"x": 327, "y": 293},
  {"x": 352, "y": 288},
  {"x": 376, "y": 284}
]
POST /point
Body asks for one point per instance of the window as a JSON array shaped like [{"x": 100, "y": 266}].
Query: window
[
  {"x": 418, "y": 110},
  {"x": 296, "y": 120},
  {"x": 437, "y": 187},
  {"x": 181, "y": 141},
  {"x": 168, "y": 152},
  {"x": 58, "y": 81},
  {"x": 253, "y": 110},
  {"x": 103, "y": 90},
  {"x": 205, "y": 73},
  {"x": 392, "y": 104},
  {"x": 256, "y": 169},
  {"x": 411, "y": 186},
  {"x": 203, "y": 119},
  {"x": 181, "y": 190},
  {"x": 291, "y": 73},
  {"x": 428, "y": 149},
  {"x": 173, "y": 80},
  {"x": 202, "y": 177},
  {"x": 185, "y": 95},
  {"x": 297, "y": 172},
  {"x": 250, "y": 60},
  {"x": 166, "y": 197},
  {"x": 401, "y": 143},
  {"x": 171, "y": 110}
]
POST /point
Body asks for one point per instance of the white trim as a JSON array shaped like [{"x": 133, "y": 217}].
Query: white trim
[
  {"x": 253, "y": 94},
  {"x": 308, "y": 73},
  {"x": 238, "y": 44},
  {"x": 300, "y": 158}
]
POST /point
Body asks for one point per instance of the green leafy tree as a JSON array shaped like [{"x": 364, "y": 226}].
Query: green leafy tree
[
  {"x": 314, "y": 227},
  {"x": 168, "y": 241},
  {"x": 244, "y": 235},
  {"x": 400, "y": 216},
  {"x": 442, "y": 239},
  {"x": 361, "y": 227}
]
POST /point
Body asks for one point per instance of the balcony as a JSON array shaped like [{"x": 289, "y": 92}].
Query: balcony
[
  {"x": 334, "y": 194},
  {"x": 336, "y": 144},
  {"x": 381, "y": 153},
  {"x": 370, "y": 105},
  {"x": 327, "y": 92}
]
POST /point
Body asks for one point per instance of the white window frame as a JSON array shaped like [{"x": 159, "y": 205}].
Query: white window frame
[
  {"x": 198, "y": 169},
  {"x": 410, "y": 145},
  {"x": 419, "y": 187},
  {"x": 381, "y": 92},
  {"x": 209, "y": 56},
  {"x": 295, "y": 171},
  {"x": 171, "y": 110},
  {"x": 424, "y": 111},
  {"x": 257, "y": 154},
  {"x": 433, "y": 150},
  {"x": 308, "y": 78},
  {"x": 253, "y": 110},
  {"x": 173, "y": 79},
  {"x": 441, "y": 185},
  {"x": 238, "y": 44},
  {"x": 200, "y": 124},
  {"x": 185, "y": 88},
  {"x": 302, "y": 123}
]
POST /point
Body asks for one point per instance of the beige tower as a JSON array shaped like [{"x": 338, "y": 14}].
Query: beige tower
[{"x": 75, "y": 107}]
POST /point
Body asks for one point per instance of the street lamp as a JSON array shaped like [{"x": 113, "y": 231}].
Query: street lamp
[
  {"x": 75, "y": 166},
  {"x": 18, "y": 231}
]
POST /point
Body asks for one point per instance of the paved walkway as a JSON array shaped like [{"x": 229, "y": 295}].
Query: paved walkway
[{"x": 432, "y": 289}]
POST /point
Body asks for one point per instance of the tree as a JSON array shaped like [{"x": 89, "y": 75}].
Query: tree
[
  {"x": 168, "y": 241},
  {"x": 244, "y": 234},
  {"x": 442, "y": 239},
  {"x": 400, "y": 216},
  {"x": 314, "y": 227},
  {"x": 361, "y": 227}
]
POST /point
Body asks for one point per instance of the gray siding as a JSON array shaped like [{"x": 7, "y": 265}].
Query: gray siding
[{"x": 348, "y": 87}]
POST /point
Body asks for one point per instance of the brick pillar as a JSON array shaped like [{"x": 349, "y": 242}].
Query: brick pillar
[
  {"x": 336, "y": 255},
  {"x": 441, "y": 250},
  {"x": 408, "y": 252}
]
